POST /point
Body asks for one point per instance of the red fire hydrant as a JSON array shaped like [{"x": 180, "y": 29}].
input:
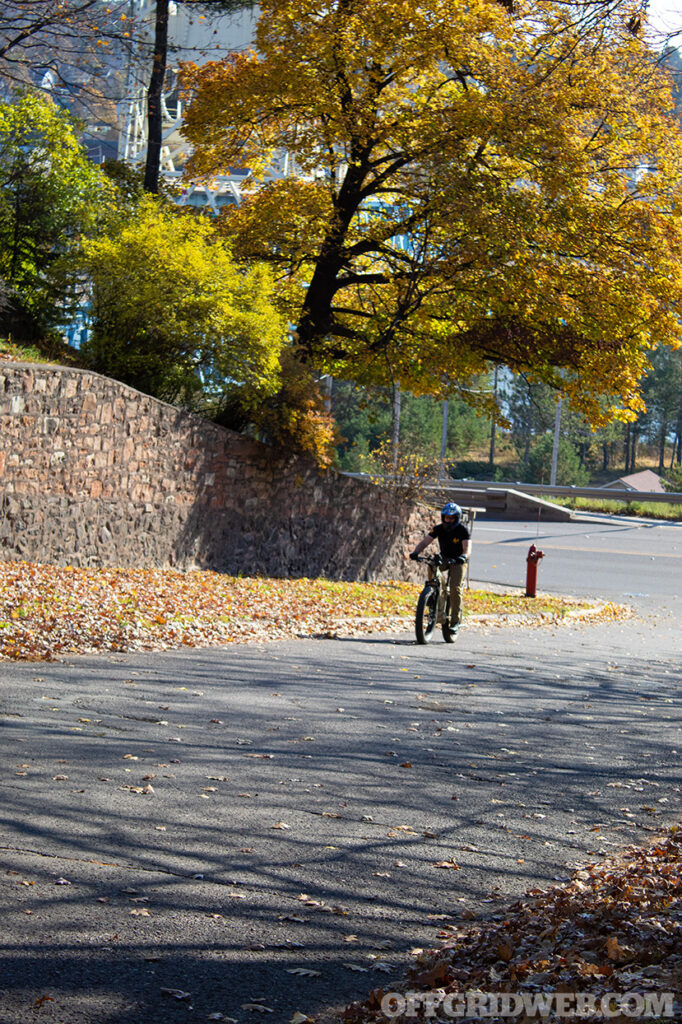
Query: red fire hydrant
[{"x": 534, "y": 556}]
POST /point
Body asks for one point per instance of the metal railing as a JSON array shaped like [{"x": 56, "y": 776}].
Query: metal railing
[
  {"x": 541, "y": 490},
  {"x": 546, "y": 490}
]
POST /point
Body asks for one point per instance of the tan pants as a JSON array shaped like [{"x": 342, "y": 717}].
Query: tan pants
[
  {"x": 456, "y": 579},
  {"x": 452, "y": 583}
]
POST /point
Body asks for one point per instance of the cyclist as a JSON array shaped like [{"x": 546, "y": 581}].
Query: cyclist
[{"x": 455, "y": 543}]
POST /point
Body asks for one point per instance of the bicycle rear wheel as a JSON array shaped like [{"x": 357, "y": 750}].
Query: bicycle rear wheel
[{"x": 425, "y": 619}]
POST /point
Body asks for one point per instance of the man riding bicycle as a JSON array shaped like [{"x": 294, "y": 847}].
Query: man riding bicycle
[{"x": 455, "y": 541}]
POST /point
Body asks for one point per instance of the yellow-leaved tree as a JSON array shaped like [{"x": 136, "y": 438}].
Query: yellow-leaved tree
[
  {"x": 471, "y": 186},
  {"x": 173, "y": 313}
]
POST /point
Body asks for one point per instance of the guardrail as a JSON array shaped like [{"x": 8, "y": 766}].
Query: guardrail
[
  {"x": 542, "y": 490},
  {"x": 546, "y": 490}
]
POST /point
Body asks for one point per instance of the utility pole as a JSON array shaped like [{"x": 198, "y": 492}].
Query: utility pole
[
  {"x": 327, "y": 391},
  {"x": 396, "y": 424},
  {"x": 492, "y": 423},
  {"x": 555, "y": 446},
  {"x": 443, "y": 440}
]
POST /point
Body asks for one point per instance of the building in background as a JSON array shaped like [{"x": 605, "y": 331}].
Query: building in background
[
  {"x": 646, "y": 481},
  {"x": 192, "y": 36}
]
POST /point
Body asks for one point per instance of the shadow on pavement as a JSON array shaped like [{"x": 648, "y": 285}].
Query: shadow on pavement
[{"x": 338, "y": 771}]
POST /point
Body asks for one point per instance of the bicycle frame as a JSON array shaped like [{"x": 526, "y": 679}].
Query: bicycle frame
[
  {"x": 433, "y": 602},
  {"x": 437, "y": 577}
]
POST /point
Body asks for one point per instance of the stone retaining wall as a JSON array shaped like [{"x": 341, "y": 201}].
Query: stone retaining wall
[{"x": 94, "y": 473}]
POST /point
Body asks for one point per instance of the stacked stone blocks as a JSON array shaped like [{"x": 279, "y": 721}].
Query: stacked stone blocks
[{"x": 95, "y": 473}]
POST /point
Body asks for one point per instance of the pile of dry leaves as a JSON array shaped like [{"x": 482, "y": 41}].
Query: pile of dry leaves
[
  {"x": 47, "y": 611},
  {"x": 614, "y": 930}
]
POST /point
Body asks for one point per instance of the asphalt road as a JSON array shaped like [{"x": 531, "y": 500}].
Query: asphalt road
[
  {"x": 303, "y": 794},
  {"x": 623, "y": 559}
]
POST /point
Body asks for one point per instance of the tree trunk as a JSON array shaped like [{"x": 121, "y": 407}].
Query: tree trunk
[
  {"x": 661, "y": 448},
  {"x": 154, "y": 97},
  {"x": 605, "y": 455},
  {"x": 633, "y": 448}
]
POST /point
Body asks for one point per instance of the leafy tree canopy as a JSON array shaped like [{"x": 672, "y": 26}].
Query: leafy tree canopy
[
  {"x": 472, "y": 186},
  {"x": 365, "y": 422},
  {"x": 49, "y": 196},
  {"x": 174, "y": 315}
]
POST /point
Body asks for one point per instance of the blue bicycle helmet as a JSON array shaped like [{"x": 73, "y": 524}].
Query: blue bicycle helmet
[{"x": 451, "y": 509}]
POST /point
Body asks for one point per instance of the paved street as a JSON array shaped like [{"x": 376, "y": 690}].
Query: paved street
[
  {"x": 219, "y": 823},
  {"x": 623, "y": 559}
]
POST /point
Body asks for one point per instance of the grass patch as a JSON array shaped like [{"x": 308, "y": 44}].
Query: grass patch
[
  {"x": 482, "y": 602},
  {"x": 50, "y": 351},
  {"x": 613, "y": 506},
  {"x": 18, "y": 354}
]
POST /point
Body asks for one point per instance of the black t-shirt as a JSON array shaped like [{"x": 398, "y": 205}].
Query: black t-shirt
[{"x": 450, "y": 537}]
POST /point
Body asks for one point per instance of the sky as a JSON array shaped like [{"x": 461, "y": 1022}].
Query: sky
[{"x": 665, "y": 17}]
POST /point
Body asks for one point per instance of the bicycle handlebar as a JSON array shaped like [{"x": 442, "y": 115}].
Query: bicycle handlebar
[{"x": 438, "y": 560}]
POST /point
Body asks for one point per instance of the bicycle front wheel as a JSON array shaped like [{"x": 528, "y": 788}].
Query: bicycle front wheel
[
  {"x": 449, "y": 634},
  {"x": 427, "y": 609}
]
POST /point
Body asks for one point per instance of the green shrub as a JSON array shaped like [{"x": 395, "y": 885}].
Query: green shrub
[
  {"x": 673, "y": 479},
  {"x": 539, "y": 466}
]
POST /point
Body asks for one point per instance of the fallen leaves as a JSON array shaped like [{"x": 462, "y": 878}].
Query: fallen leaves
[
  {"x": 176, "y": 993},
  {"x": 615, "y": 951},
  {"x": 43, "y": 999},
  {"x": 613, "y": 927},
  {"x": 47, "y": 611},
  {"x": 505, "y": 950}
]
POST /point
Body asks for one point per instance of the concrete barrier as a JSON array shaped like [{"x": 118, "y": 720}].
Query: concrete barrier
[{"x": 504, "y": 502}]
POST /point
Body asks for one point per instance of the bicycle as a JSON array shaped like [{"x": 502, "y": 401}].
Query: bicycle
[{"x": 433, "y": 604}]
